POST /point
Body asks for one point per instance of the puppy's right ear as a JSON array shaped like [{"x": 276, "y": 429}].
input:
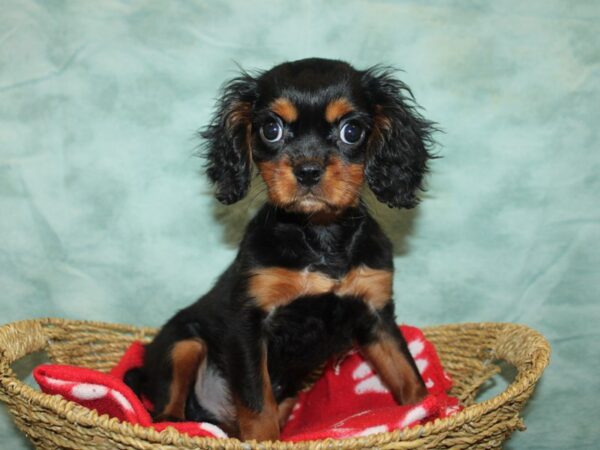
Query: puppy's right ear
[{"x": 228, "y": 146}]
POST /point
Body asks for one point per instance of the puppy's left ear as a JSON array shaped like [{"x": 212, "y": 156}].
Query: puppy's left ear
[
  {"x": 398, "y": 147},
  {"x": 228, "y": 146}
]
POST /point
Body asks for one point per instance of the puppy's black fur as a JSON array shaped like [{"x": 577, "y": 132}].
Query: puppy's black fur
[{"x": 313, "y": 275}]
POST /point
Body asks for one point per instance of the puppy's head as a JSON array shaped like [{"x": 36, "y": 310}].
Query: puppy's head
[{"x": 317, "y": 129}]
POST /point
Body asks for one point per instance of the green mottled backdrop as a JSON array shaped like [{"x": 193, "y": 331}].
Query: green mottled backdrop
[{"x": 104, "y": 214}]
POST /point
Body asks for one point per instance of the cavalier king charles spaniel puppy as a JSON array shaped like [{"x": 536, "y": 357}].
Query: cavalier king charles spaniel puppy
[{"x": 313, "y": 275}]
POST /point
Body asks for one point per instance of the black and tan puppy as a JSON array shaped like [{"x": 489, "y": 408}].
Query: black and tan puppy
[{"x": 313, "y": 275}]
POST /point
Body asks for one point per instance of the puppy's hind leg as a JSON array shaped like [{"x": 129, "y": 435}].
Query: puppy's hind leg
[
  {"x": 186, "y": 357},
  {"x": 256, "y": 408}
]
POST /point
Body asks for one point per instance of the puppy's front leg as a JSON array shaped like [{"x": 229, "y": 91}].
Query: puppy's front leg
[
  {"x": 381, "y": 342},
  {"x": 255, "y": 404},
  {"x": 388, "y": 354}
]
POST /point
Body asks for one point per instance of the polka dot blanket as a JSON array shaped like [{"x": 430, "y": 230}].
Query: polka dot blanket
[{"x": 348, "y": 400}]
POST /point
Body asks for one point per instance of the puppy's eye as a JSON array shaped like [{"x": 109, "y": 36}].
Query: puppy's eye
[
  {"x": 351, "y": 133},
  {"x": 271, "y": 131}
]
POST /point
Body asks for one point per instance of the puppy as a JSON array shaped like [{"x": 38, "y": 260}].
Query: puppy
[{"x": 313, "y": 275}]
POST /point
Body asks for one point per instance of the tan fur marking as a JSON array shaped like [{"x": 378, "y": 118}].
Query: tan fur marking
[
  {"x": 373, "y": 286},
  {"x": 274, "y": 286},
  {"x": 341, "y": 183},
  {"x": 382, "y": 122},
  {"x": 381, "y": 125},
  {"x": 285, "y": 409},
  {"x": 285, "y": 109},
  {"x": 339, "y": 188},
  {"x": 239, "y": 114},
  {"x": 186, "y": 357},
  {"x": 337, "y": 109},
  {"x": 280, "y": 181},
  {"x": 260, "y": 425},
  {"x": 395, "y": 371}
]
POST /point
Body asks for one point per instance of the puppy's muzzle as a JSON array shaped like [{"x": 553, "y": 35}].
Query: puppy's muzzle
[{"x": 308, "y": 174}]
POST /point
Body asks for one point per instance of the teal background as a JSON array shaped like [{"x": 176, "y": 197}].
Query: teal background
[{"x": 104, "y": 214}]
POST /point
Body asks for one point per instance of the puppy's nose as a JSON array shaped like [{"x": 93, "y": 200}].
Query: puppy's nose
[{"x": 308, "y": 174}]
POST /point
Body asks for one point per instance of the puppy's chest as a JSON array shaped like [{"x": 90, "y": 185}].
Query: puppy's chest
[{"x": 272, "y": 287}]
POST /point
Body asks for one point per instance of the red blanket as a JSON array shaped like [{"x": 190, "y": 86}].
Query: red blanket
[{"x": 349, "y": 400}]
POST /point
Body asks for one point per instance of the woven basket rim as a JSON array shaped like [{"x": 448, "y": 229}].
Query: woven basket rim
[{"x": 76, "y": 413}]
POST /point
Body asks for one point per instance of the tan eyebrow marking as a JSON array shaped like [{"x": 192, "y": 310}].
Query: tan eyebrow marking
[
  {"x": 285, "y": 109},
  {"x": 338, "y": 108}
]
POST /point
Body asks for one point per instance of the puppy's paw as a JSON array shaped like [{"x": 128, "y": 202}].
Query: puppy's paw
[{"x": 413, "y": 391}]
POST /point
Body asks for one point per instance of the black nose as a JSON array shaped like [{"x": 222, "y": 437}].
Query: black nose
[{"x": 308, "y": 174}]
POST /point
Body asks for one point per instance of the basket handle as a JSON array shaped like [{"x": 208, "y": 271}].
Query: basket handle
[
  {"x": 19, "y": 339},
  {"x": 526, "y": 349}
]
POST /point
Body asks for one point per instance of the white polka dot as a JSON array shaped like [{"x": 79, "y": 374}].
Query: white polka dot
[
  {"x": 416, "y": 347},
  {"x": 371, "y": 384},
  {"x": 86, "y": 391},
  {"x": 336, "y": 370},
  {"x": 452, "y": 410},
  {"x": 421, "y": 364},
  {"x": 57, "y": 383},
  {"x": 413, "y": 415},
  {"x": 212, "y": 429},
  {"x": 373, "y": 430},
  {"x": 429, "y": 383},
  {"x": 361, "y": 371},
  {"x": 121, "y": 400}
]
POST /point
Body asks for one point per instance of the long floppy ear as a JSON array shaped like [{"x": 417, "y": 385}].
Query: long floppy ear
[
  {"x": 398, "y": 147},
  {"x": 227, "y": 146}
]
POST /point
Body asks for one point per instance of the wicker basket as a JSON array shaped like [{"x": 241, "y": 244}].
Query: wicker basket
[{"x": 469, "y": 352}]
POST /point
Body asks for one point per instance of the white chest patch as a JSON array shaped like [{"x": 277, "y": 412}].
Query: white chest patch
[{"x": 213, "y": 393}]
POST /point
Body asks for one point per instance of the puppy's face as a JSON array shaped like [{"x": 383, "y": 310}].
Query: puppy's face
[
  {"x": 310, "y": 125},
  {"x": 317, "y": 129}
]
